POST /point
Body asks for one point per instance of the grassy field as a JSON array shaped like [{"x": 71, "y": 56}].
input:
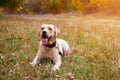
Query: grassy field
[{"x": 94, "y": 42}]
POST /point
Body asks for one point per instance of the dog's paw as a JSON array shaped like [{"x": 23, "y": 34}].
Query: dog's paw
[
  {"x": 55, "y": 69},
  {"x": 32, "y": 64}
]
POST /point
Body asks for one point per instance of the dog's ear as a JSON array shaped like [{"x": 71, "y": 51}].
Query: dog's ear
[
  {"x": 39, "y": 35},
  {"x": 40, "y": 29},
  {"x": 57, "y": 31}
]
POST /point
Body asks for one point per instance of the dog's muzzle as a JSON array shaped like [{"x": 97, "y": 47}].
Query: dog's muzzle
[
  {"x": 44, "y": 33},
  {"x": 45, "y": 38}
]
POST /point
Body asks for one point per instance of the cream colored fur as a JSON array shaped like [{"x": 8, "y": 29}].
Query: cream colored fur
[{"x": 51, "y": 53}]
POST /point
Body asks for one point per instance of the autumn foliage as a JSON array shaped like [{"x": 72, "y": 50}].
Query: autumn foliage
[{"x": 58, "y": 6}]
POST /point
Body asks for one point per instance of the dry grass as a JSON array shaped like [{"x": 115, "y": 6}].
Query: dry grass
[{"x": 94, "y": 41}]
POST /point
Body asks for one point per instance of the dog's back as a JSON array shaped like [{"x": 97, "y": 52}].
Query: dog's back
[{"x": 65, "y": 46}]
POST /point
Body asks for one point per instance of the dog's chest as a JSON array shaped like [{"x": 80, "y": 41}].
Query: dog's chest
[{"x": 49, "y": 52}]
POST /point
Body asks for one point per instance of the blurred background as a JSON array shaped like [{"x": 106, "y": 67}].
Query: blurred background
[
  {"x": 91, "y": 27},
  {"x": 109, "y": 7}
]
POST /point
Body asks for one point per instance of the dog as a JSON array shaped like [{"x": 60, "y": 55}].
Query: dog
[{"x": 50, "y": 46}]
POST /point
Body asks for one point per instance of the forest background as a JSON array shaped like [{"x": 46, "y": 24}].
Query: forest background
[{"x": 59, "y": 6}]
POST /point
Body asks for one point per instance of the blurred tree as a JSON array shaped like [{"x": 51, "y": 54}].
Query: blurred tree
[
  {"x": 113, "y": 7},
  {"x": 91, "y": 6},
  {"x": 11, "y": 5},
  {"x": 53, "y": 6},
  {"x": 56, "y": 6},
  {"x": 100, "y": 3},
  {"x": 77, "y": 5},
  {"x": 88, "y": 7},
  {"x": 67, "y": 5}
]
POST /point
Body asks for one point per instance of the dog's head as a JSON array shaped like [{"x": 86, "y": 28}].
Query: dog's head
[{"x": 48, "y": 34}]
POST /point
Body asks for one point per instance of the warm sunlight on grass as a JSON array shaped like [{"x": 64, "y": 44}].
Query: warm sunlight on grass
[{"x": 94, "y": 42}]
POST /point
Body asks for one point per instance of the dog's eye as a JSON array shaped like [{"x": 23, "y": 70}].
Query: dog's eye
[
  {"x": 42, "y": 28},
  {"x": 50, "y": 28}
]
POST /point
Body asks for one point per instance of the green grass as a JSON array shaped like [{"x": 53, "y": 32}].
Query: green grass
[{"x": 94, "y": 42}]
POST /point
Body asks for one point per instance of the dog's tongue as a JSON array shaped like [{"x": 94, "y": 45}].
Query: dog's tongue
[{"x": 44, "y": 41}]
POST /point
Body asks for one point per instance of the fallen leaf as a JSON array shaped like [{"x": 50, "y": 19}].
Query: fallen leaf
[
  {"x": 14, "y": 54},
  {"x": 57, "y": 76},
  {"x": 74, "y": 51},
  {"x": 27, "y": 76},
  {"x": 70, "y": 76},
  {"x": 48, "y": 74},
  {"x": 2, "y": 56}
]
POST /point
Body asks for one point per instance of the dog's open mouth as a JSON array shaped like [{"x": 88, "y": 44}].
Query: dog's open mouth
[{"x": 44, "y": 40}]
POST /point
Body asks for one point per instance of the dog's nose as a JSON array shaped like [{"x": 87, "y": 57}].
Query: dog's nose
[{"x": 44, "y": 32}]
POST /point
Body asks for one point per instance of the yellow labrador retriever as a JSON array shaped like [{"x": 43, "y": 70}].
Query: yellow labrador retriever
[{"x": 50, "y": 46}]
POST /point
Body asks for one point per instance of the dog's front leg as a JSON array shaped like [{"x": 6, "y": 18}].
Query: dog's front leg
[
  {"x": 57, "y": 61},
  {"x": 36, "y": 59}
]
